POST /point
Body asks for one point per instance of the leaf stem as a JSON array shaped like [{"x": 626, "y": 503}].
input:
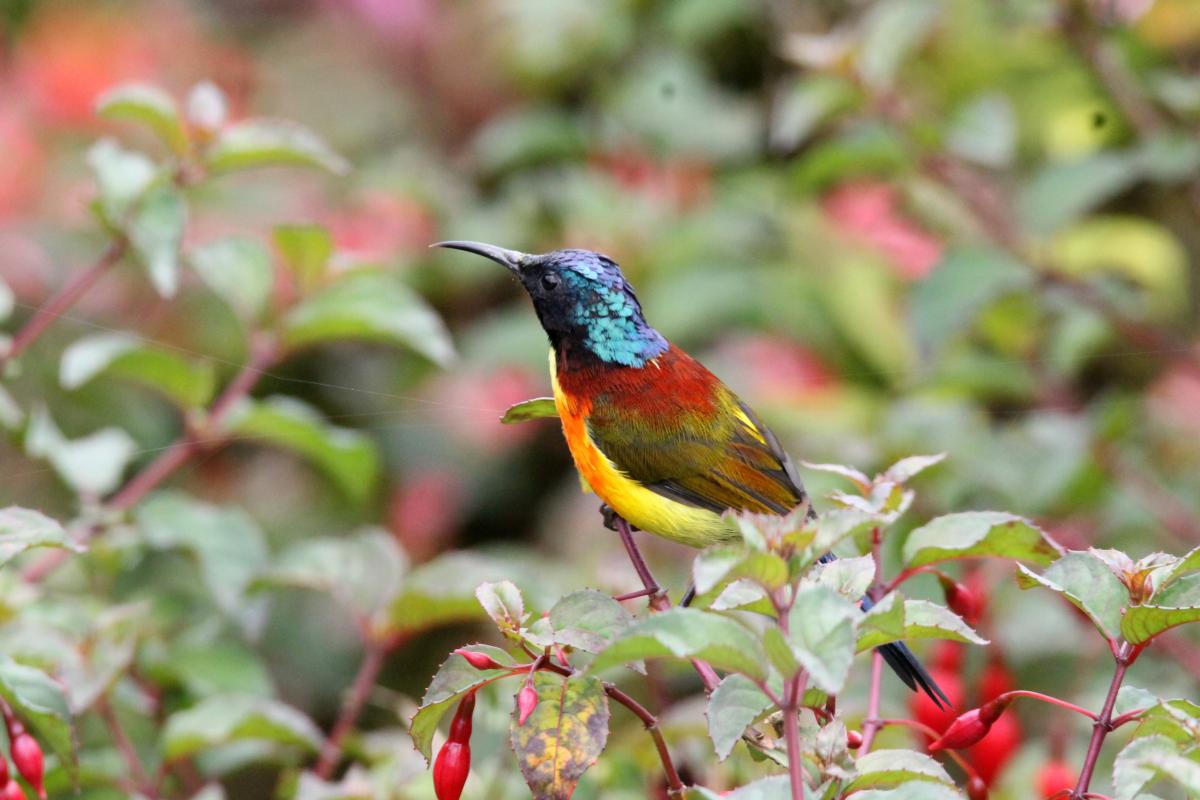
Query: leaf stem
[
  {"x": 374, "y": 658},
  {"x": 263, "y": 352},
  {"x": 872, "y": 723},
  {"x": 791, "y": 731},
  {"x": 64, "y": 299},
  {"x": 675, "y": 787},
  {"x": 1045, "y": 698},
  {"x": 137, "y": 771},
  {"x": 1104, "y": 722}
]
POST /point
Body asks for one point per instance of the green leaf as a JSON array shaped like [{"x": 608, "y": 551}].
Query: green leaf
[
  {"x": 238, "y": 269},
  {"x": 917, "y": 790},
  {"x": 267, "y": 143},
  {"x": 227, "y": 544},
  {"x": 971, "y": 534},
  {"x": 537, "y": 408},
  {"x": 1142, "y": 623},
  {"x": 40, "y": 703},
  {"x": 348, "y": 458},
  {"x": 563, "y": 736},
  {"x": 1064, "y": 191},
  {"x": 156, "y": 232},
  {"x": 453, "y": 679},
  {"x": 364, "y": 571},
  {"x": 122, "y": 176},
  {"x": 502, "y": 602},
  {"x": 189, "y": 384},
  {"x": 1144, "y": 761},
  {"x": 890, "y": 768},
  {"x": 306, "y": 250},
  {"x": 908, "y": 468},
  {"x": 588, "y": 620},
  {"x": 1187, "y": 564},
  {"x": 892, "y": 30},
  {"x": 443, "y": 591},
  {"x": 717, "y": 567},
  {"x": 688, "y": 633},
  {"x": 849, "y": 577},
  {"x": 733, "y": 705},
  {"x": 147, "y": 105},
  {"x": 985, "y": 131},
  {"x": 920, "y": 619},
  {"x": 223, "y": 719},
  {"x": 91, "y": 465},
  {"x": 821, "y": 632},
  {"x": 963, "y": 283},
  {"x": 218, "y": 668},
  {"x": 372, "y": 306},
  {"x": 22, "y": 529},
  {"x": 1088, "y": 584}
]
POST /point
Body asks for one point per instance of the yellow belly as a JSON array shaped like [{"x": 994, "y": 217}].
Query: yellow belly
[{"x": 642, "y": 508}]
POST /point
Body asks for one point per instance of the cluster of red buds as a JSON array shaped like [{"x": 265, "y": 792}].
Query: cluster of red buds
[{"x": 26, "y": 756}]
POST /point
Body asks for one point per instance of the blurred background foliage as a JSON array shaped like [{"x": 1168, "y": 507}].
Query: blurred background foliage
[{"x": 894, "y": 227}]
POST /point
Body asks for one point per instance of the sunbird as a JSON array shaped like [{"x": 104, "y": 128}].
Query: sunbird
[{"x": 659, "y": 439}]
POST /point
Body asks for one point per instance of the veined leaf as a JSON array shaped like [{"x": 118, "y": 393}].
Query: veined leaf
[
  {"x": 889, "y": 768},
  {"x": 22, "y": 529},
  {"x": 1088, "y": 584},
  {"x": 734, "y": 704},
  {"x": 189, "y": 384},
  {"x": 223, "y": 719},
  {"x": 563, "y": 736},
  {"x": 821, "y": 632},
  {"x": 147, "y": 105},
  {"x": 453, "y": 679},
  {"x": 978, "y": 533},
  {"x": 268, "y": 143},
  {"x": 1140, "y": 624},
  {"x": 688, "y": 633},
  {"x": 921, "y": 620}
]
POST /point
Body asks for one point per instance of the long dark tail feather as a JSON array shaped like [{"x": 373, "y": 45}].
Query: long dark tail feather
[{"x": 909, "y": 669}]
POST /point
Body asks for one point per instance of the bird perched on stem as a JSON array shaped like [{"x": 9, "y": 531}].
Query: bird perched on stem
[{"x": 660, "y": 439}]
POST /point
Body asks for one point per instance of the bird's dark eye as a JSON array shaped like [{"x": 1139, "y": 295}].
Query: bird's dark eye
[{"x": 550, "y": 281}]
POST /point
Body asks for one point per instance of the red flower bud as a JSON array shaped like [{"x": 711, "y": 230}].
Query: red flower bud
[
  {"x": 970, "y": 727},
  {"x": 977, "y": 789},
  {"x": 453, "y": 762},
  {"x": 27, "y": 756},
  {"x": 527, "y": 700},
  {"x": 12, "y": 791},
  {"x": 450, "y": 770},
  {"x": 854, "y": 740},
  {"x": 1056, "y": 777},
  {"x": 961, "y": 600},
  {"x": 478, "y": 660},
  {"x": 990, "y": 756}
]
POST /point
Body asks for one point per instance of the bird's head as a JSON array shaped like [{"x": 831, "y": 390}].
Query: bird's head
[{"x": 582, "y": 299}]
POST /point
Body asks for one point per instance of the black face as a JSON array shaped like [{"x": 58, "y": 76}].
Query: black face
[{"x": 581, "y": 297}]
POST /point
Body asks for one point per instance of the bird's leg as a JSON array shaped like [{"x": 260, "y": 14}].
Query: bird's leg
[{"x": 658, "y": 598}]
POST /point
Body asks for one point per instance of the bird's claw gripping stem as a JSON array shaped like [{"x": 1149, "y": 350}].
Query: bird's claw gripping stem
[{"x": 658, "y": 598}]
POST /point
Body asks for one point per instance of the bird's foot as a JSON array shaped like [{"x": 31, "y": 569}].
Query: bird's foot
[{"x": 610, "y": 518}]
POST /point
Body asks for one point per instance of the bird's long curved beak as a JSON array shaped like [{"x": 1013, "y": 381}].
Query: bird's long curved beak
[{"x": 510, "y": 259}]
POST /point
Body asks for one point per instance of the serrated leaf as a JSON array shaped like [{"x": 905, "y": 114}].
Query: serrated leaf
[
  {"x": 238, "y": 269},
  {"x": 563, "y": 736},
  {"x": 188, "y": 384},
  {"x": 502, "y": 602},
  {"x": 91, "y": 465},
  {"x": 156, "y": 232},
  {"x": 717, "y": 567},
  {"x": 40, "y": 703},
  {"x": 849, "y": 577},
  {"x": 224, "y": 719},
  {"x": 733, "y": 705},
  {"x": 1142, "y": 623},
  {"x": 536, "y": 408},
  {"x": 687, "y": 633},
  {"x": 267, "y": 143},
  {"x": 821, "y": 633},
  {"x": 147, "y": 105},
  {"x": 1185, "y": 565},
  {"x": 121, "y": 178},
  {"x": 1144, "y": 761},
  {"x": 364, "y": 571},
  {"x": 373, "y": 306},
  {"x": 908, "y": 468},
  {"x": 890, "y": 768},
  {"x": 453, "y": 679},
  {"x": 227, "y": 544},
  {"x": 588, "y": 620},
  {"x": 348, "y": 458},
  {"x": 921, "y": 620},
  {"x": 1088, "y": 584},
  {"x": 22, "y": 529},
  {"x": 978, "y": 533},
  {"x": 858, "y": 478}
]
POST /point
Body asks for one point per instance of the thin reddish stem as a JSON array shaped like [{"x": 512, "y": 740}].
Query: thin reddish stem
[
  {"x": 137, "y": 771},
  {"x": 872, "y": 723},
  {"x": 675, "y": 786},
  {"x": 368, "y": 672},
  {"x": 791, "y": 732},
  {"x": 1104, "y": 723},
  {"x": 64, "y": 299},
  {"x": 1045, "y": 698}
]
